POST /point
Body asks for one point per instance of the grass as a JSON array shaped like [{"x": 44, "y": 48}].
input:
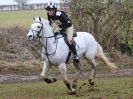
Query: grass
[
  {"x": 105, "y": 88},
  {"x": 22, "y": 18}
]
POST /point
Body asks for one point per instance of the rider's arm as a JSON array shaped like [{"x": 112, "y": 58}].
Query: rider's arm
[{"x": 65, "y": 22}]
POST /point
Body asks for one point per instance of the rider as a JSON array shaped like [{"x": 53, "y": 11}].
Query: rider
[{"x": 64, "y": 25}]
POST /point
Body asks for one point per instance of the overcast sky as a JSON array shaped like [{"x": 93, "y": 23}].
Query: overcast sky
[{"x": 10, "y": 2}]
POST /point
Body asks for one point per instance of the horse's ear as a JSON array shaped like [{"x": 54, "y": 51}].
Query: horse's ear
[{"x": 40, "y": 19}]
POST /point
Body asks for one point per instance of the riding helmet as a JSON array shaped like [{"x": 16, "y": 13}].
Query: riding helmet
[{"x": 51, "y": 6}]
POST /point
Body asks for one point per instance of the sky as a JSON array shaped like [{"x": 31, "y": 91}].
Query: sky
[{"x": 11, "y": 2}]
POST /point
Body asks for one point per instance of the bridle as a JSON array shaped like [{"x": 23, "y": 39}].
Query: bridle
[{"x": 45, "y": 46}]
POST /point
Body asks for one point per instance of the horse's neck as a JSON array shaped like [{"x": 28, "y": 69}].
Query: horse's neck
[
  {"x": 48, "y": 30},
  {"x": 49, "y": 42}
]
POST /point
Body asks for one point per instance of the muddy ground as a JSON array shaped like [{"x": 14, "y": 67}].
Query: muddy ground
[{"x": 10, "y": 78}]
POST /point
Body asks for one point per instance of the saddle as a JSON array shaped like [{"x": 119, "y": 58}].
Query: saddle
[
  {"x": 66, "y": 41},
  {"x": 64, "y": 34}
]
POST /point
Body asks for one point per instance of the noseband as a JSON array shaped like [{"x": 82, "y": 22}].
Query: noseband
[{"x": 38, "y": 32}]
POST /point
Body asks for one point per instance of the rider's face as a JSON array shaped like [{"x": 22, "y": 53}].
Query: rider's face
[{"x": 50, "y": 12}]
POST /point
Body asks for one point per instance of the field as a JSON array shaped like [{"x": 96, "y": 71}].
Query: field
[
  {"x": 105, "y": 88},
  {"x": 22, "y": 18},
  {"x": 13, "y": 53}
]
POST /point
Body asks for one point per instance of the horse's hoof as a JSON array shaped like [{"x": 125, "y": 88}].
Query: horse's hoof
[
  {"x": 91, "y": 82},
  {"x": 73, "y": 92},
  {"x": 42, "y": 76},
  {"x": 52, "y": 80}
]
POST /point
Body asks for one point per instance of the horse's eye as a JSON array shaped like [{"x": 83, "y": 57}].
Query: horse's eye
[{"x": 38, "y": 26}]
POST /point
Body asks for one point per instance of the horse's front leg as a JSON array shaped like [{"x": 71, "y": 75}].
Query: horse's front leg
[
  {"x": 63, "y": 70},
  {"x": 45, "y": 69}
]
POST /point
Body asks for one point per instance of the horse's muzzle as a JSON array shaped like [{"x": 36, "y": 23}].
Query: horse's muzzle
[{"x": 29, "y": 36}]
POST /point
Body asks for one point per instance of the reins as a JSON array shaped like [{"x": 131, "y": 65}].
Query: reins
[{"x": 45, "y": 46}]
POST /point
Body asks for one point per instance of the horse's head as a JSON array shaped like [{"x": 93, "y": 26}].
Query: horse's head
[{"x": 36, "y": 29}]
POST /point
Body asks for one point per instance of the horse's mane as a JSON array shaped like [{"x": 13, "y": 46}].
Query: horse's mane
[{"x": 45, "y": 22}]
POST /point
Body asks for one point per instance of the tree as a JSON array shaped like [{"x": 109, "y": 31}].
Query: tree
[
  {"x": 21, "y": 3},
  {"x": 110, "y": 22}
]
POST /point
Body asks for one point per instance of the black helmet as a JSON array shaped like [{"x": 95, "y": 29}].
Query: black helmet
[{"x": 51, "y": 6}]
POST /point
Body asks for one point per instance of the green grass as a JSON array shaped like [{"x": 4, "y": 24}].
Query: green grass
[
  {"x": 106, "y": 88},
  {"x": 22, "y": 18}
]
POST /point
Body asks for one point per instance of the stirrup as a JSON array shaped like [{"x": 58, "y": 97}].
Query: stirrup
[{"x": 76, "y": 58}]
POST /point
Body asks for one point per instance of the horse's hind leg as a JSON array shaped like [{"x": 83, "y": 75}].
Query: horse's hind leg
[
  {"x": 92, "y": 75},
  {"x": 78, "y": 66},
  {"x": 63, "y": 71},
  {"x": 79, "y": 73}
]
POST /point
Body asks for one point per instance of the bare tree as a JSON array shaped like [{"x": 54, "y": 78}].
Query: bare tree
[{"x": 21, "y": 3}]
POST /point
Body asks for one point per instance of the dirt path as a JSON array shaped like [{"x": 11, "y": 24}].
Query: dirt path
[{"x": 22, "y": 78}]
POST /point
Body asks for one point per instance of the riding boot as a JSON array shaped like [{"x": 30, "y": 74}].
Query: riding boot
[{"x": 73, "y": 49}]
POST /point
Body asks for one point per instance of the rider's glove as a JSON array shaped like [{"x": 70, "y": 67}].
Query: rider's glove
[
  {"x": 56, "y": 33},
  {"x": 61, "y": 30},
  {"x": 56, "y": 30}
]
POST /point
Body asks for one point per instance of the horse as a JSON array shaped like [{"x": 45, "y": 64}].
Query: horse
[{"x": 55, "y": 51}]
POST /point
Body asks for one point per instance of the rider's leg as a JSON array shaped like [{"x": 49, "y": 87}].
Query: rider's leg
[
  {"x": 69, "y": 33},
  {"x": 73, "y": 49}
]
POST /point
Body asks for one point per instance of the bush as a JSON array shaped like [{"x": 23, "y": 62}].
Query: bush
[
  {"x": 109, "y": 22},
  {"x": 14, "y": 46}
]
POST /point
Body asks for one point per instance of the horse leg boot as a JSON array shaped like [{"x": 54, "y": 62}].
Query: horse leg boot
[{"x": 63, "y": 70}]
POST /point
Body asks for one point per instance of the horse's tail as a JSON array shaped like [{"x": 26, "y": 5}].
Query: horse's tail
[{"x": 100, "y": 54}]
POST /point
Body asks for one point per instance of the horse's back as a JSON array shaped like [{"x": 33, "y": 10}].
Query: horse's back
[
  {"x": 87, "y": 37},
  {"x": 89, "y": 41},
  {"x": 85, "y": 43}
]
